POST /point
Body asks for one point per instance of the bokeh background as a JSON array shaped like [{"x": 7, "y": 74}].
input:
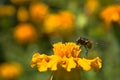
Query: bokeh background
[{"x": 30, "y": 26}]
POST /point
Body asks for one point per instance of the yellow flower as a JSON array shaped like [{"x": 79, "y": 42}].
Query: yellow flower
[
  {"x": 61, "y": 23},
  {"x": 24, "y": 33},
  {"x": 38, "y": 11},
  {"x": 111, "y": 14},
  {"x": 65, "y": 56},
  {"x": 22, "y": 14},
  {"x": 10, "y": 70}
]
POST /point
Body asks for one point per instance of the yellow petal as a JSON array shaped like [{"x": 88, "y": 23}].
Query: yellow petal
[
  {"x": 87, "y": 64},
  {"x": 71, "y": 64},
  {"x": 96, "y": 64},
  {"x": 84, "y": 64},
  {"x": 42, "y": 66},
  {"x": 40, "y": 60},
  {"x": 53, "y": 62},
  {"x": 34, "y": 59}
]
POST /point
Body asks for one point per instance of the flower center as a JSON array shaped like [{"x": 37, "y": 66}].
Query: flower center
[{"x": 66, "y": 50}]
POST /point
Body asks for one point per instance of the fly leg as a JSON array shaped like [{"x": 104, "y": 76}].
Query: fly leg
[{"x": 86, "y": 53}]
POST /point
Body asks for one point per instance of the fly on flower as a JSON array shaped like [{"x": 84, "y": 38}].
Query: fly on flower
[
  {"x": 85, "y": 42},
  {"x": 88, "y": 44},
  {"x": 65, "y": 62}
]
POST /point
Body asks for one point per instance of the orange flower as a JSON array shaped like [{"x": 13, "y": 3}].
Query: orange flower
[
  {"x": 10, "y": 70},
  {"x": 7, "y": 10},
  {"x": 24, "y": 33},
  {"x": 22, "y": 14},
  {"x": 65, "y": 62},
  {"x": 51, "y": 23},
  {"x": 38, "y": 11},
  {"x": 65, "y": 56},
  {"x": 61, "y": 23},
  {"x": 66, "y": 18},
  {"x": 111, "y": 14}
]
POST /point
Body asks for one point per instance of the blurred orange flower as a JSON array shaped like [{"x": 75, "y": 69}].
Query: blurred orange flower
[
  {"x": 61, "y": 23},
  {"x": 22, "y": 14},
  {"x": 66, "y": 19},
  {"x": 10, "y": 70},
  {"x": 91, "y": 5},
  {"x": 24, "y": 33},
  {"x": 111, "y": 14},
  {"x": 7, "y": 10},
  {"x": 38, "y": 11},
  {"x": 52, "y": 21}
]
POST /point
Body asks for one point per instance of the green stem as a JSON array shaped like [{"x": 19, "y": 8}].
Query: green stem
[{"x": 62, "y": 74}]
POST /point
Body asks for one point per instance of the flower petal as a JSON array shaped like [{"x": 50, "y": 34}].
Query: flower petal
[
  {"x": 84, "y": 63},
  {"x": 42, "y": 66},
  {"x": 53, "y": 62},
  {"x": 96, "y": 64},
  {"x": 34, "y": 59},
  {"x": 71, "y": 64}
]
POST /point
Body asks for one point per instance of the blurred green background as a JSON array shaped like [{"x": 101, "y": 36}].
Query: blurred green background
[{"x": 30, "y": 26}]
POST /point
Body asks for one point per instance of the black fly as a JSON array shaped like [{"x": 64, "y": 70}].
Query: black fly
[{"x": 85, "y": 42}]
